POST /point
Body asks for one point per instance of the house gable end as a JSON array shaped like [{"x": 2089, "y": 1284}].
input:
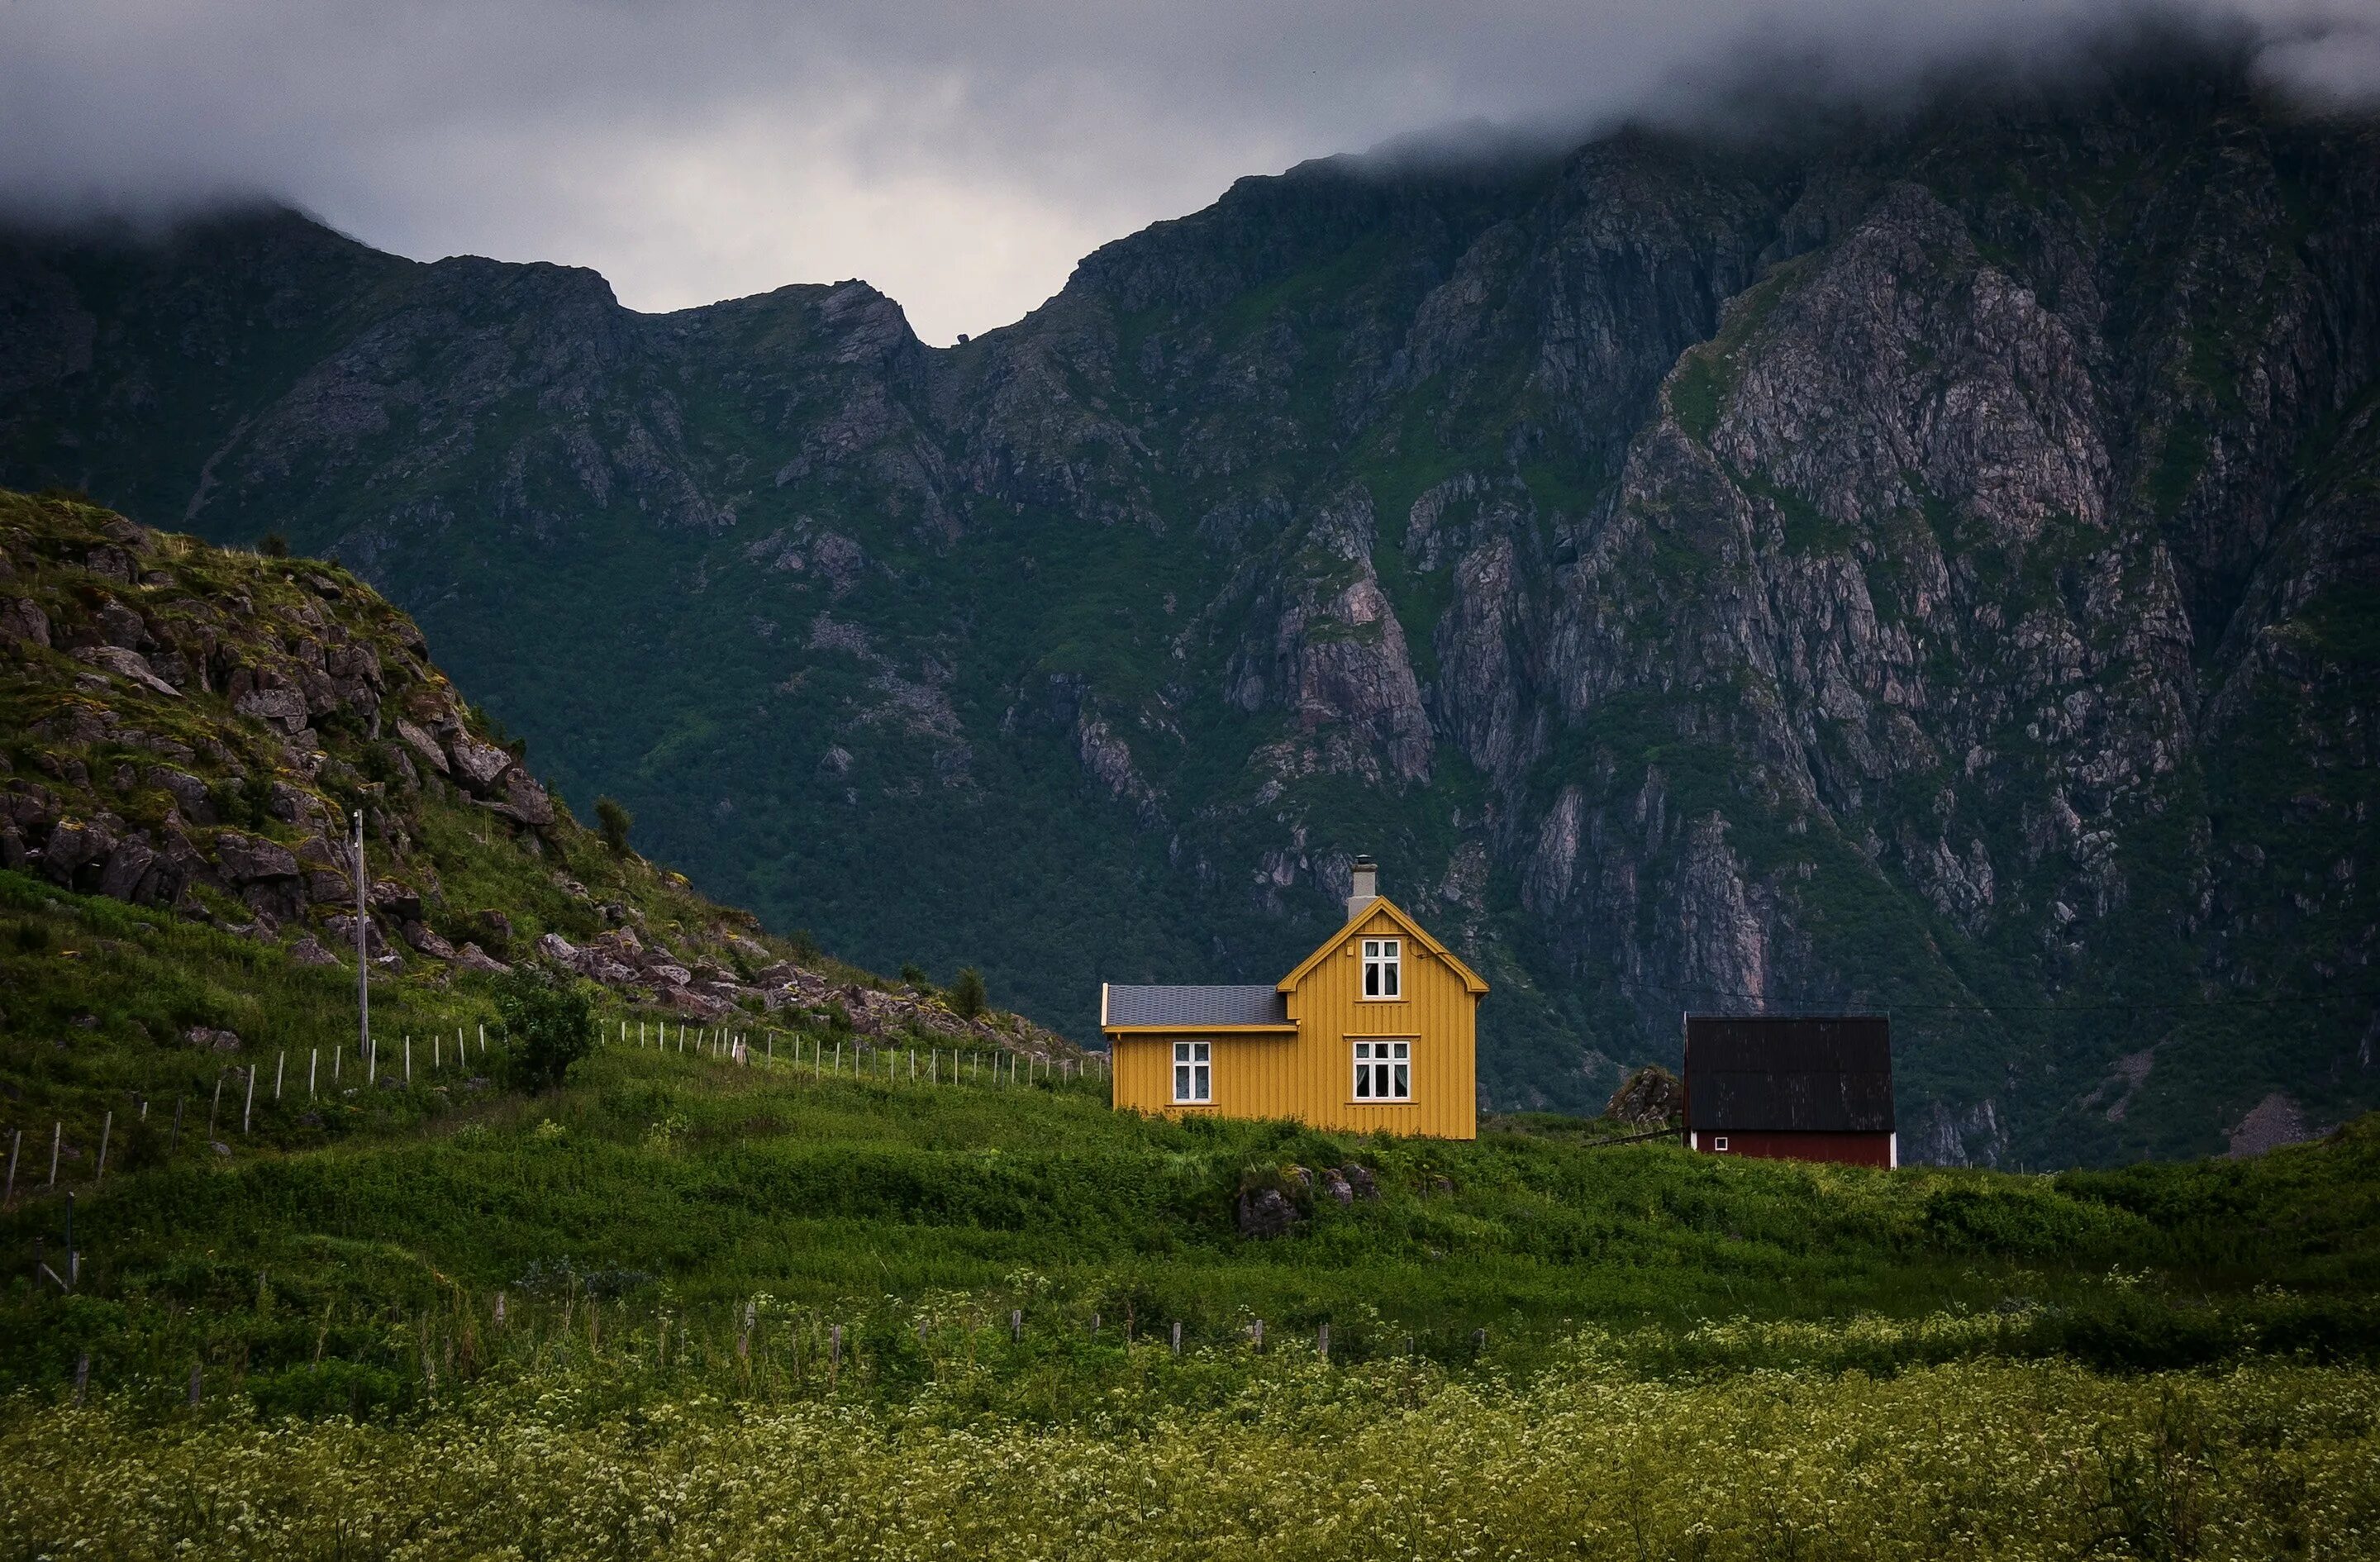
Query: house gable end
[{"x": 1383, "y": 907}]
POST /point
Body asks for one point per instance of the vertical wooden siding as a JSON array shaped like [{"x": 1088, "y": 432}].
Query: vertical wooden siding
[{"x": 1311, "y": 1077}]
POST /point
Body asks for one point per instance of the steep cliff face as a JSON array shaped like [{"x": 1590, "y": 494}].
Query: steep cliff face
[{"x": 1930, "y": 566}]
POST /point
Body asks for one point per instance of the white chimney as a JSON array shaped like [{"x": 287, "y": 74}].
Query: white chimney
[{"x": 1364, "y": 887}]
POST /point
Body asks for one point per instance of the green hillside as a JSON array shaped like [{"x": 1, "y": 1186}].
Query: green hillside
[{"x": 685, "y": 1303}]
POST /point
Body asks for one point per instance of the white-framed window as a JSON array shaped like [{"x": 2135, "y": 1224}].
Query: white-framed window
[
  {"x": 1383, "y": 978},
  {"x": 1384, "y": 1070},
  {"x": 1718, "y": 1142},
  {"x": 1194, "y": 1071}
]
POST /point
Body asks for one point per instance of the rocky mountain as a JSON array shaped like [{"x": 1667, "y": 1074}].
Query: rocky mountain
[
  {"x": 1924, "y": 561},
  {"x": 192, "y": 729}
]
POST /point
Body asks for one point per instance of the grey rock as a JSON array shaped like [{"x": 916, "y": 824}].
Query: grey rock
[
  {"x": 1266, "y": 1213},
  {"x": 309, "y": 951},
  {"x": 243, "y": 858},
  {"x": 478, "y": 765},
  {"x": 22, "y": 620},
  {"x": 127, "y": 665},
  {"x": 425, "y": 939}
]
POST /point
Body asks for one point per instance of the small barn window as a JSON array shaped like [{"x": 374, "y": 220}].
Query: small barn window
[
  {"x": 1384, "y": 1070},
  {"x": 1381, "y": 962},
  {"x": 1194, "y": 1071},
  {"x": 1718, "y": 1142}
]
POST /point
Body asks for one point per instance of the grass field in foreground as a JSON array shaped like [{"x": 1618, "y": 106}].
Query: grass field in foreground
[{"x": 674, "y": 1192}]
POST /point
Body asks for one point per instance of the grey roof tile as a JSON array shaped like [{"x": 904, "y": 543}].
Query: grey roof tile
[{"x": 1192, "y": 1007}]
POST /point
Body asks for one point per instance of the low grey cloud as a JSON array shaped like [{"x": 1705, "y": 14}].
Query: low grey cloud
[{"x": 959, "y": 155}]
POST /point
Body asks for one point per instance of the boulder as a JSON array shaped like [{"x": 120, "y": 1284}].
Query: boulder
[
  {"x": 1361, "y": 1180},
  {"x": 244, "y": 859},
  {"x": 526, "y": 801},
  {"x": 189, "y": 794},
  {"x": 292, "y": 805},
  {"x": 342, "y": 929},
  {"x": 212, "y": 1041},
  {"x": 470, "y": 956},
  {"x": 1647, "y": 1098},
  {"x": 1338, "y": 1187},
  {"x": 284, "y": 708},
  {"x": 119, "y": 626},
  {"x": 560, "y": 950},
  {"x": 671, "y": 975},
  {"x": 127, "y": 866},
  {"x": 421, "y": 743},
  {"x": 425, "y": 938},
  {"x": 477, "y": 765},
  {"x": 73, "y": 846},
  {"x": 127, "y": 664},
  {"x": 114, "y": 563},
  {"x": 309, "y": 951},
  {"x": 1266, "y": 1212},
  {"x": 399, "y": 900},
  {"x": 22, "y": 620}
]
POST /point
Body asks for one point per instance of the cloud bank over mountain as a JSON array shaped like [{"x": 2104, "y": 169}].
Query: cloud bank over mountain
[{"x": 960, "y": 157}]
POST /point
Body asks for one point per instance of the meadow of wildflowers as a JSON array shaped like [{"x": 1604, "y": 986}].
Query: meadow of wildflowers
[{"x": 1301, "y": 1459}]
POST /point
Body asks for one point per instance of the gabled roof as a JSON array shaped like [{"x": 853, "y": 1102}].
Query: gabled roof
[
  {"x": 1202, "y": 1007},
  {"x": 1471, "y": 980},
  {"x": 1789, "y": 1073}
]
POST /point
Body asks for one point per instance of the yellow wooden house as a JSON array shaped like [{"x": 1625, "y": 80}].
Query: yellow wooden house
[{"x": 1374, "y": 1032}]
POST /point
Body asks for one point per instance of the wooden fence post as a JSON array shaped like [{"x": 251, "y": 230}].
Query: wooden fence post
[
  {"x": 82, "y": 1375},
  {"x": 105, "y": 1128},
  {"x": 14, "y": 1145},
  {"x": 280, "y": 1065},
  {"x": 176, "y": 1142},
  {"x": 408, "y": 1060},
  {"x": 215, "y": 1106},
  {"x": 1256, "y": 1334},
  {"x": 1177, "y": 1336},
  {"x": 1016, "y": 1325},
  {"x": 1322, "y": 1342},
  {"x": 57, "y": 1136},
  {"x": 313, "y": 1062},
  {"x": 194, "y": 1386},
  {"x": 248, "y": 1108}
]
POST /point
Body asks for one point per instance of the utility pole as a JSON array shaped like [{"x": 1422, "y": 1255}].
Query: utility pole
[{"x": 363, "y": 966}]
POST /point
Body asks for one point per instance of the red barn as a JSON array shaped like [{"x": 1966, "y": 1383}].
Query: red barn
[{"x": 1805, "y": 1087}]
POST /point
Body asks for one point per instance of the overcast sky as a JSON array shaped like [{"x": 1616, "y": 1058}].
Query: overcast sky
[{"x": 960, "y": 154}]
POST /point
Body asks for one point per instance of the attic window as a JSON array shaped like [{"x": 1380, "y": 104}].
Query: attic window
[
  {"x": 1194, "y": 1073},
  {"x": 1381, "y": 962},
  {"x": 1384, "y": 1070}
]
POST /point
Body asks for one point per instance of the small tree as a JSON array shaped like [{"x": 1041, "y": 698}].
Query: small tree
[
  {"x": 273, "y": 544},
  {"x": 616, "y": 822},
  {"x": 912, "y": 973},
  {"x": 550, "y": 1024},
  {"x": 968, "y": 997}
]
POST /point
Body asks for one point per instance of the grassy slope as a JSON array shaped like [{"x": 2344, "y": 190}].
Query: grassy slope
[
  {"x": 99, "y": 993},
  {"x": 680, "y": 1187}
]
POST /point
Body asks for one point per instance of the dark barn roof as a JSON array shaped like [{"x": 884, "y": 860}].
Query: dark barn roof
[
  {"x": 1789, "y": 1073},
  {"x": 1196, "y": 1006}
]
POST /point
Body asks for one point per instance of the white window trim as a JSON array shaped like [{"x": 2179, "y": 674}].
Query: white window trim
[
  {"x": 1194, "y": 1062},
  {"x": 1385, "y": 956},
  {"x": 1718, "y": 1142},
  {"x": 1394, "y": 1057}
]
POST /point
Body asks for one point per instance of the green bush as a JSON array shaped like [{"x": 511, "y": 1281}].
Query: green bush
[
  {"x": 549, "y": 1022},
  {"x": 968, "y": 996},
  {"x": 614, "y": 822}
]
